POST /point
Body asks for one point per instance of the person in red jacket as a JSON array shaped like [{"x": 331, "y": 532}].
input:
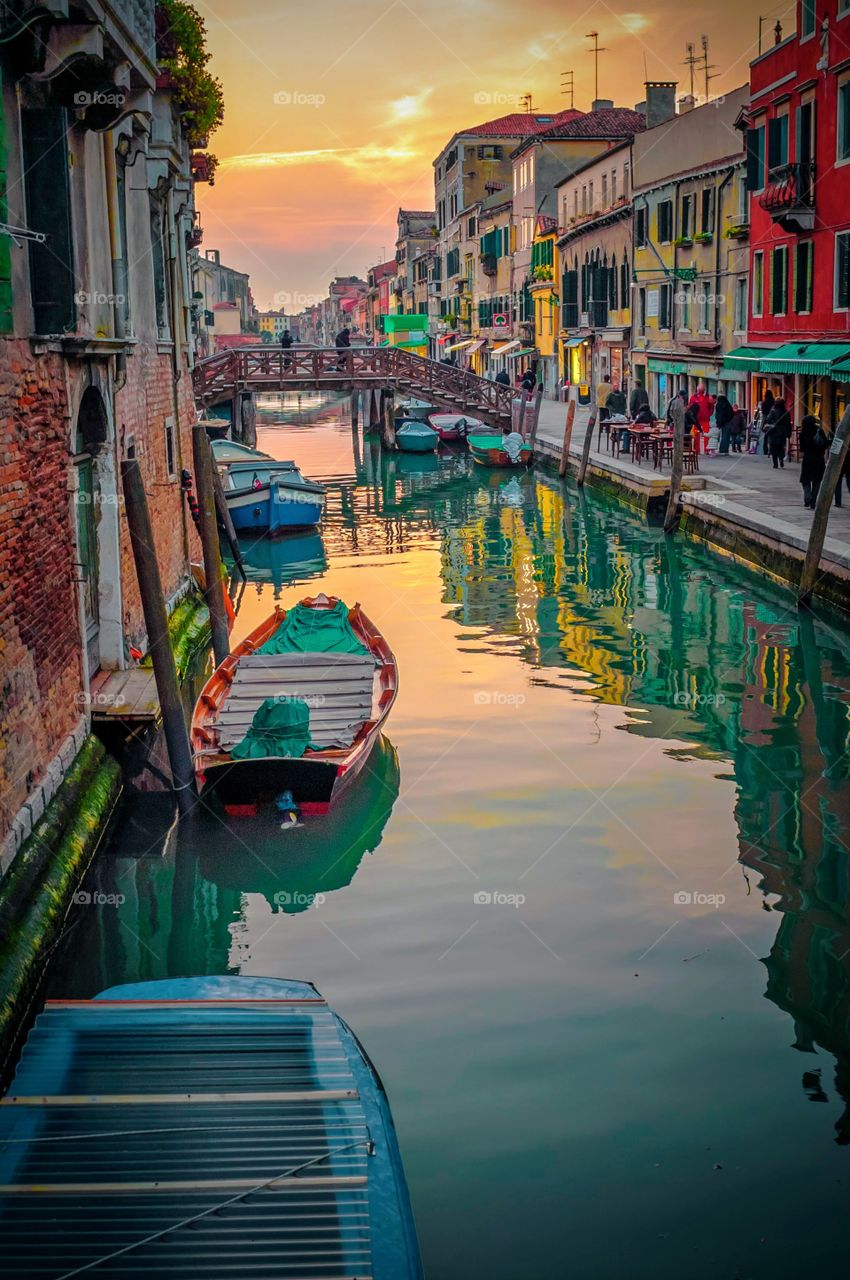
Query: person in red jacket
[{"x": 704, "y": 405}]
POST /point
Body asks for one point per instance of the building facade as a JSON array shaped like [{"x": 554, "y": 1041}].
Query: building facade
[
  {"x": 797, "y": 125},
  {"x": 690, "y": 277},
  {"x": 96, "y": 352}
]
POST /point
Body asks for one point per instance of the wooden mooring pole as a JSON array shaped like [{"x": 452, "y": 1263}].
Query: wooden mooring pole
[
  {"x": 535, "y": 415},
  {"x": 671, "y": 519},
  {"x": 832, "y": 478},
  {"x": 388, "y": 430},
  {"x": 588, "y": 439},
  {"x": 225, "y": 520},
  {"x": 159, "y": 641},
  {"x": 568, "y": 435},
  {"x": 214, "y": 592}
]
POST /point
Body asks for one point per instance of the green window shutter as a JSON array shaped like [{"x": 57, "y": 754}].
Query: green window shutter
[
  {"x": 45, "y": 147},
  {"x": 5, "y": 242}
]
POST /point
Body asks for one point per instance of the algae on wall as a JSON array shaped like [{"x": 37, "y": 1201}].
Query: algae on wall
[{"x": 38, "y": 889}]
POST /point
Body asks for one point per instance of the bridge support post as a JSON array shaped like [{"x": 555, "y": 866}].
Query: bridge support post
[
  {"x": 388, "y": 429},
  {"x": 374, "y": 408},
  {"x": 249, "y": 419},
  {"x": 355, "y": 410}
]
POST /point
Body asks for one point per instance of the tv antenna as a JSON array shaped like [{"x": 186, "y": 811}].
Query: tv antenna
[
  {"x": 707, "y": 66},
  {"x": 568, "y": 86},
  {"x": 526, "y": 101},
  {"x": 692, "y": 62},
  {"x": 596, "y": 50}
]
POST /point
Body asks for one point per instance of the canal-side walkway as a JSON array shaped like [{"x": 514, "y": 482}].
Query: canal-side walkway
[{"x": 742, "y": 491}]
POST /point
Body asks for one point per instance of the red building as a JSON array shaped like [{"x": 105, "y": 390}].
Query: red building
[{"x": 798, "y": 149}]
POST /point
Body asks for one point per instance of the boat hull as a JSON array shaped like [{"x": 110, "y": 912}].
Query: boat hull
[
  {"x": 272, "y": 508},
  {"x": 453, "y": 427},
  {"x": 416, "y": 437},
  {"x": 493, "y": 455}
]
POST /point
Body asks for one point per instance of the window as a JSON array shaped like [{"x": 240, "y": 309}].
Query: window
[
  {"x": 803, "y": 276},
  {"x": 640, "y": 226},
  {"x": 590, "y": 196},
  {"x": 470, "y": 228},
  {"x": 665, "y": 222},
  {"x": 705, "y": 300},
  {"x": 613, "y": 186},
  {"x": 575, "y": 202},
  {"x": 626, "y": 175},
  {"x": 755, "y": 158},
  {"x": 641, "y": 310},
  {"x": 160, "y": 280},
  {"x": 685, "y": 306},
  {"x": 45, "y": 153},
  {"x": 707, "y": 211},
  {"x": 583, "y": 198},
  {"x": 807, "y": 18},
  {"x": 777, "y": 142},
  {"x": 741, "y": 304},
  {"x": 779, "y": 281},
  {"x": 687, "y": 220},
  {"x": 758, "y": 284},
  {"x": 842, "y": 271},
  {"x": 624, "y": 283},
  {"x": 604, "y": 190},
  {"x": 170, "y": 456},
  {"x": 664, "y": 307},
  {"x": 844, "y": 121}
]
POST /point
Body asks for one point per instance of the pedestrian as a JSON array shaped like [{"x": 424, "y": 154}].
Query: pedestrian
[
  {"x": 341, "y": 342},
  {"x": 528, "y": 381},
  {"x": 737, "y": 428},
  {"x": 723, "y": 414},
  {"x": 603, "y": 391},
  {"x": 704, "y": 405},
  {"x": 286, "y": 343},
  {"x": 615, "y": 406},
  {"x": 777, "y": 432},
  {"x": 676, "y": 414},
  {"x": 844, "y": 478},
  {"x": 637, "y": 401},
  {"x": 767, "y": 403},
  {"x": 813, "y": 447},
  {"x": 503, "y": 378}
]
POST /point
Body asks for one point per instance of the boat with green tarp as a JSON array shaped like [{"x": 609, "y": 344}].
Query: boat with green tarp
[{"x": 293, "y": 713}]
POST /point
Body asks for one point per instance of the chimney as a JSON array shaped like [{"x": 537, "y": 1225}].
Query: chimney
[
  {"x": 687, "y": 103},
  {"x": 602, "y": 104},
  {"x": 640, "y": 108},
  {"x": 660, "y": 101}
]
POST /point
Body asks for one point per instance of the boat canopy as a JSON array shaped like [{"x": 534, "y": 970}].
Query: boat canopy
[{"x": 306, "y": 630}]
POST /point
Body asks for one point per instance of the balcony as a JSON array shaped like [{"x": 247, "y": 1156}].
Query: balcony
[{"x": 789, "y": 196}]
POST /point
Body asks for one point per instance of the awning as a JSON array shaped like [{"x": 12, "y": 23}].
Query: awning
[
  {"x": 456, "y": 346},
  {"x": 526, "y": 351},
  {"x": 573, "y": 342},
  {"x": 731, "y": 374},
  {"x": 476, "y": 346},
  {"x": 746, "y": 357},
  {"x": 805, "y": 357},
  {"x": 415, "y": 342},
  {"x": 509, "y": 346}
]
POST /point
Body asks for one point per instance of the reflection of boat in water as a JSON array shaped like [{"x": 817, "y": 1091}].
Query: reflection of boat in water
[
  {"x": 517, "y": 489},
  {"x": 415, "y": 464},
  {"x": 254, "y": 1137},
  {"x": 289, "y": 868},
  {"x": 294, "y": 557}
]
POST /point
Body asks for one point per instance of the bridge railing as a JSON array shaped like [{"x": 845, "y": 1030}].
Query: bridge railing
[{"x": 273, "y": 368}]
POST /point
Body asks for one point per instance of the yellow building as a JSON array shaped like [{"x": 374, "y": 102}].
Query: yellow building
[{"x": 543, "y": 288}]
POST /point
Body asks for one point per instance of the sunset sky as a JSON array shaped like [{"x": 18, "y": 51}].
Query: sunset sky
[{"x": 335, "y": 109}]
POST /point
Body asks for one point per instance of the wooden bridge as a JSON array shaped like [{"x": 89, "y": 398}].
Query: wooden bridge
[{"x": 264, "y": 368}]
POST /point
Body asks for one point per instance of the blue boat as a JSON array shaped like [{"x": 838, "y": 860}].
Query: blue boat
[
  {"x": 197, "y": 1127},
  {"x": 267, "y": 495},
  {"x": 416, "y": 437}
]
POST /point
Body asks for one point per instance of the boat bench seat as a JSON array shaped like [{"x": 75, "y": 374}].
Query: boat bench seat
[{"x": 337, "y": 687}]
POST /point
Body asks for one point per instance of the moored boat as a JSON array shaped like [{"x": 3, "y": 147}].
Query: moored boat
[
  {"x": 227, "y": 1126},
  {"x": 226, "y": 451},
  {"x": 489, "y": 451},
  {"x": 416, "y": 437},
  {"x": 455, "y": 426},
  {"x": 416, "y": 410},
  {"x": 295, "y": 709}
]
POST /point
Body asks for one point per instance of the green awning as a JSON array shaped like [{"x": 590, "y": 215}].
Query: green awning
[
  {"x": 730, "y": 373},
  {"x": 805, "y": 357},
  {"x": 666, "y": 366},
  {"x": 417, "y": 342},
  {"x": 747, "y": 357}
]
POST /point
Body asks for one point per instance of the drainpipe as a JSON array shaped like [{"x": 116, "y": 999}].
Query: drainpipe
[
  {"x": 718, "y": 192},
  {"x": 176, "y": 317},
  {"x": 119, "y": 266}
]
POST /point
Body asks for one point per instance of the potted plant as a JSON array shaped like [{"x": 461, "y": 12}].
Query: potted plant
[
  {"x": 182, "y": 55},
  {"x": 683, "y": 242},
  {"x": 703, "y": 237},
  {"x": 737, "y": 231}
]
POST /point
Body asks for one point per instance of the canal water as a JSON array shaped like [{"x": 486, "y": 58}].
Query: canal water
[{"x": 587, "y": 910}]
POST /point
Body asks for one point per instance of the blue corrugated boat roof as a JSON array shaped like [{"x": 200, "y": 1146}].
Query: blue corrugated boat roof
[{"x": 220, "y": 1127}]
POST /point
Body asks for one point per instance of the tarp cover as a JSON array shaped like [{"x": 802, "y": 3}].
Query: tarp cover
[
  {"x": 281, "y": 727},
  {"x": 306, "y": 630}
]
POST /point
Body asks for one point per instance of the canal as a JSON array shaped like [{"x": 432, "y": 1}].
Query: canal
[{"x": 588, "y": 909}]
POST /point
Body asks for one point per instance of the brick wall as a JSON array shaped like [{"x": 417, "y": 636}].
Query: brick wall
[{"x": 40, "y": 650}]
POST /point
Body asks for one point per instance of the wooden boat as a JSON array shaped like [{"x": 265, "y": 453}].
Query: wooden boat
[
  {"x": 451, "y": 427},
  {"x": 274, "y": 499},
  {"x": 226, "y": 451},
  {"x": 487, "y": 450},
  {"x": 415, "y": 410},
  {"x": 416, "y": 437},
  {"x": 349, "y": 696},
  {"x": 219, "y": 1126}
]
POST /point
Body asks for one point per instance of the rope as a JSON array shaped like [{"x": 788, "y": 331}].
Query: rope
[{"x": 216, "y": 1208}]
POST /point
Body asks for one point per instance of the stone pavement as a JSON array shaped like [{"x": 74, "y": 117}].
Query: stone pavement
[{"x": 743, "y": 488}]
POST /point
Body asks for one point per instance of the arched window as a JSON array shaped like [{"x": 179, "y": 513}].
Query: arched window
[
  {"x": 612, "y": 284},
  {"x": 624, "y": 282}
]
